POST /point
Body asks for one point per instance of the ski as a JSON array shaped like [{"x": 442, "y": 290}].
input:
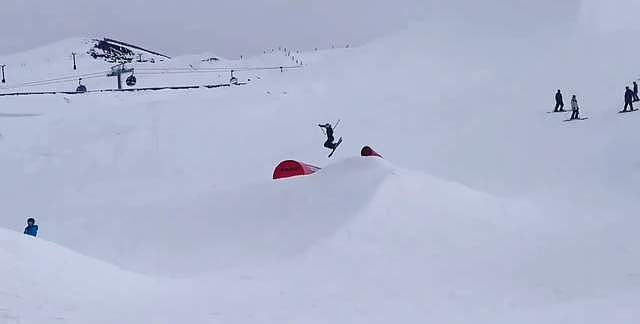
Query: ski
[
  {"x": 568, "y": 120},
  {"x": 334, "y": 149}
]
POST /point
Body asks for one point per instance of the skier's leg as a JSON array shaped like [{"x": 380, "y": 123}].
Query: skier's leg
[
  {"x": 329, "y": 144},
  {"x": 556, "y": 108}
]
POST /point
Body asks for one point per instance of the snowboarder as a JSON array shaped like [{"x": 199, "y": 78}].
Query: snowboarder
[
  {"x": 635, "y": 92},
  {"x": 559, "y": 102},
  {"x": 575, "y": 110},
  {"x": 628, "y": 99},
  {"x": 32, "y": 228},
  {"x": 330, "y": 142}
]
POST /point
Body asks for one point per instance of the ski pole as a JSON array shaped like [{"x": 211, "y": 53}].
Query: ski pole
[{"x": 337, "y": 123}]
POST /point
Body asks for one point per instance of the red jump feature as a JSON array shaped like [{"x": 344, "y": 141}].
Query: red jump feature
[
  {"x": 291, "y": 168},
  {"x": 368, "y": 151}
]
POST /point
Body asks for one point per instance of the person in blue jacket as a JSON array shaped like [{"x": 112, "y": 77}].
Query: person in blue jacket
[{"x": 32, "y": 228}]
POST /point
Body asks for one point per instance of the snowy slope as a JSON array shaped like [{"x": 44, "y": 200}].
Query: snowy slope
[
  {"x": 486, "y": 208},
  {"x": 50, "y": 68},
  {"x": 43, "y": 282}
]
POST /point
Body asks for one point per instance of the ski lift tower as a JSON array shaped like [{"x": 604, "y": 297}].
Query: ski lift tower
[{"x": 118, "y": 71}]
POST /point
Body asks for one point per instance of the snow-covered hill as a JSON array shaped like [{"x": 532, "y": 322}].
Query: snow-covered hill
[
  {"x": 485, "y": 209},
  {"x": 51, "y": 67}
]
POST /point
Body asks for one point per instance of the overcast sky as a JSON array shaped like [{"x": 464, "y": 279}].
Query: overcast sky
[{"x": 234, "y": 27}]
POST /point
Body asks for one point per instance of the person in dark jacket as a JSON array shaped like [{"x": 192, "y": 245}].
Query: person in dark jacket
[
  {"x": 32, "y": 228},
  {"x": 329, "y": 143},
  {"x": 559, "y": 102},
  {"x": 575, "y": 109},
  {"x": 628, "y": 99},
  {"x": 635, "y": 92}
]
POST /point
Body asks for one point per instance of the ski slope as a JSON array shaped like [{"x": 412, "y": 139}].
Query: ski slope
[{"x": 159, "y": 206}]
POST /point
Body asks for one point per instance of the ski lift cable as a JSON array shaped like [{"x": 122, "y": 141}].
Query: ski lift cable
[
  {"x": 70, "y": 77},
  {"x": 67, "y": 77},
  {"x": 55, "y": 82},
  {"x": 167, "y": 70},
  {"x": 146, "y": 71},
  {"x": 50, "y": 82},
  {"x": 157, "y": 72},
  {"x": 218, "y": 69},
  {"x": 62, "y": 80}
]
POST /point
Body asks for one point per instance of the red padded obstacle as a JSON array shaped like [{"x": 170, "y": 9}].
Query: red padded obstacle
[
  {"x": 368, "y": 151},
  {"x": 291, "y": 168}
]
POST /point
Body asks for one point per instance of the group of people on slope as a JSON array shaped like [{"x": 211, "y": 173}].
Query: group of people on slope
[
  {"x": 630, "y": 96},
  {"x": 575, "y": 109}
]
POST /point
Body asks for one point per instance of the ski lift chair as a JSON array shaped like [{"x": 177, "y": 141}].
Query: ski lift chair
[
  {"x": 81, "y": 87},
  {"x": 131, "y": 80}
]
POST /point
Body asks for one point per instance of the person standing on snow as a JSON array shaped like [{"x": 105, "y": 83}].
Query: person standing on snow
[
  {"x": 32, "y": 228},
  {"x": 575, "y": 110},
  {"x": 559, "y": 102},
  {"x": 628, "y": 99},
  {"x": 635, "y": 92}
]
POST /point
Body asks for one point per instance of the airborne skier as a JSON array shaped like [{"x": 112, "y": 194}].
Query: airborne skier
[{"x": 330, "y": 142}]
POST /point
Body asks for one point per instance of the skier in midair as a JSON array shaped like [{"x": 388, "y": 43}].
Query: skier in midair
[
  {"x": 559, "y": 102},
  {"x": 628, "y": 99},
  {"x": 330, "y": 143},
  {"x": 575, "y": 110},
  {"x": 635, "y": 92},
  {"x": 328, "y": 130}
]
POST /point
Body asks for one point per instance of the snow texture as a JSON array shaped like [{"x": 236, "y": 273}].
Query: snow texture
[{"x": 158, "y": 207}]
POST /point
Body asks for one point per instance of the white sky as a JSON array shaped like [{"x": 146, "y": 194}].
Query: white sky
[
  {"x": 612, "y": 16},
  {"x": 234, "y": 27}
]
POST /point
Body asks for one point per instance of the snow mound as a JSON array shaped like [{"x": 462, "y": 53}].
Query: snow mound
[
  {"x": 34, "y": 270},
  {"x": 486, "y": 209}
]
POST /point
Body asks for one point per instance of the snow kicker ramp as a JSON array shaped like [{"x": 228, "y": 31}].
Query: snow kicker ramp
[
  {"x": 266, "y": 221},
  {"x": 313, "y": 244},
  {"x": 327, "y": 248}
]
